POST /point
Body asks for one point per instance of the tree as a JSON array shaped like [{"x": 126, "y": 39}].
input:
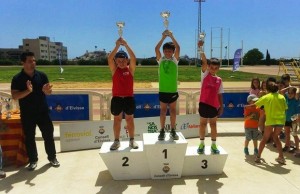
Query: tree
[
  {"x": 268, "y": 58},
  {"x": 253, "y": 57}
]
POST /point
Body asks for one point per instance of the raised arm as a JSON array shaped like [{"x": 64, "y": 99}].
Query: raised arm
[
  {"x": 203, "y": 57},
  {"x": 177, "y": 47},
  {"x": 157, "y": 47},
  {"x": 132, "y": 63},
  {"x": 111, "y": 61}
]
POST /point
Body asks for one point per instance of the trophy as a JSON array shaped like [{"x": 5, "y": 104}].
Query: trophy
[
  {"x": 201, "y": 40},
  {"x": 8, "y": 107},
  {"x": 165, "y": 15},
  {"x": 120, "y": 28},
  {"x": 202, "y": 36}
]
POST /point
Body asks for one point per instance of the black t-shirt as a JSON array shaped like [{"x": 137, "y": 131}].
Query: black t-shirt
[{"x": 35, "y": 102}]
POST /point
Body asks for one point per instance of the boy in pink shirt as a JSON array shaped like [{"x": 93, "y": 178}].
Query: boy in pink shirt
[{"x": 211, "y": 100}]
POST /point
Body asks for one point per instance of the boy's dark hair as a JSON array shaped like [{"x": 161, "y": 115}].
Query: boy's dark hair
[
  {"x": 272, "y": 86},
  {"x": 292, "y": 90},
  {"x": 169, "y": 45},
  {"x": 24, "y": 55},
  {"x": 214, "y": 61},
  {"x": 286, "y": 77},
  {"x": 121, "y": 54}
]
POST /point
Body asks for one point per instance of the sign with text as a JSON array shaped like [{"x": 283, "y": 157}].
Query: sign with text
[
  {"x": 234, "y": 104},
  {"x": 68, "y": 107},
  {"x": 91, "y": 134}
]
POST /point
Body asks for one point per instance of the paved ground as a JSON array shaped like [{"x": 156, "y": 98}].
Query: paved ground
[{"x": 84, "y": 171}]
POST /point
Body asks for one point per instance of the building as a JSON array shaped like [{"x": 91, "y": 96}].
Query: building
[
  {"x": 11, "y": 53},
  {"x": 44, "y": 49}
]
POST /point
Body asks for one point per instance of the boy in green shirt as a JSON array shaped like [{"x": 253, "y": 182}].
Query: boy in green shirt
[{"x": 168, "y": 76}]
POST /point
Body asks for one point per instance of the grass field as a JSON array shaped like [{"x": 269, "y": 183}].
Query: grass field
[{"x": 102, "y": 74}]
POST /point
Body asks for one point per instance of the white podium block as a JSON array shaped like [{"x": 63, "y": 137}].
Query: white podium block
[
  {"x": 203, "y": 164},
  {"x": 125, "y": 163},
  {"x": 165, "y": 158}
]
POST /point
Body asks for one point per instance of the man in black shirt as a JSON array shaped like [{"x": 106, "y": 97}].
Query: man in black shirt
[{"x": 30, "y": 87}]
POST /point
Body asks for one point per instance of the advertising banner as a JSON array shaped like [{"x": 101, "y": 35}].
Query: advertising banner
[
  {"x": 236, "y": 59},
  {"x": 68, "y": 107},
  {"x": 234, "y": 104},
  {"x": 91, "y": 134},
  {"x": 147, "y": 105}
]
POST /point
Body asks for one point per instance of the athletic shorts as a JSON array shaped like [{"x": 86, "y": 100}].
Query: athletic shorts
[
  {"x": 122, "y": 104},
  {"x": 207, "y": 111},
  {"x": 168, "y": 97},
  {"x": 252, "y": 134}
]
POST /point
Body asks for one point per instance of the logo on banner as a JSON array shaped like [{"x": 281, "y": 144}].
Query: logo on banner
[
  {"x": 58, "y": 108},
  {"x": 152, "y": 127},
  {"x": 166, "y": 169},
  {"x": 101, "y": 138},
  {"x": 147, "y": 107},
  {"x": 101, "y": 130}
]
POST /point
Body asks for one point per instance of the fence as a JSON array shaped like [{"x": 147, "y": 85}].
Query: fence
[{"x": 74, "y": 105}]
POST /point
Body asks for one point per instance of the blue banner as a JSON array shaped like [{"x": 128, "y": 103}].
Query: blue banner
[
  {"x": 236, "y": 59},
  {"x": 68, "y": 107},
  {"x": 234, "y": 105},
  {"x": 147, "y": 105}
]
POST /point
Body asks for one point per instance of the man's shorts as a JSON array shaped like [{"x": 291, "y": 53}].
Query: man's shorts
[
  {"x": 122, "y": 104},
  {"x": 168, "y": 97},
  {"x": 252, "y": 134},
  {"x": 207, "y": 111}
]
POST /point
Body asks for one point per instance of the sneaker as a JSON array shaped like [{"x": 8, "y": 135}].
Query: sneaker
[
  {"x": 214, "y": 149},
  {"x": 133, "y": 144},
  {"x": 173, "y": 135},
  {"x": 2, "y": 174},
  {"x": 255, "y": 151},
  {"x": 161, "y": 135},
  {"x": 246, "y": 151},
  {"x": 32, "y": 166},
  {"x": 115, "y": 145},
  {"x": 54, "y": 163},
  {"x": 258, "y": 159},
  {"x": 280, "y": 160},
  {"x": 200, "y": 149}
]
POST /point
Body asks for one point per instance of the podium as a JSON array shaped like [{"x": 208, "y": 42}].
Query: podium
[
  {"x": 125, "y": 163},
  {"x": 165, "y": 158},
  {"x": 156, "y": 159}
]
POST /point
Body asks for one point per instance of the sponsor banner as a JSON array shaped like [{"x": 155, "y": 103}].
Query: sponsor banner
[
  {"x": 236, "y": 59},
  {"x": 234, "y": 104},
  {"x": 91, "y": 134},
  {"x": 147, "y": 105},
  {"x": 68, "y": 107}
]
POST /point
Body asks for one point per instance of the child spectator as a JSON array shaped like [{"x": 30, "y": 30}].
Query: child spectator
[
  {"x": 263, "y": 89},
  {"x": 251, "y": 115},
  {"x": 255, "y": 86},
  {"x": 293, "y": 109},
  {"x": 275, "y": 107}
]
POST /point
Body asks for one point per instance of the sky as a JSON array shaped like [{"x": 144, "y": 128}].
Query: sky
[{"x": 81, "y": 25}]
